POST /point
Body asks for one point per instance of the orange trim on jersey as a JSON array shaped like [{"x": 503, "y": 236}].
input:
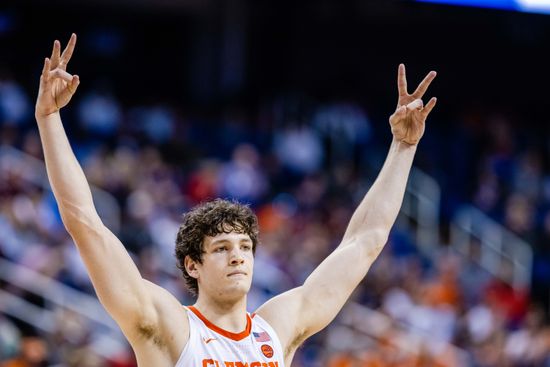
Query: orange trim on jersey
[{"x": 228, "y": 334}]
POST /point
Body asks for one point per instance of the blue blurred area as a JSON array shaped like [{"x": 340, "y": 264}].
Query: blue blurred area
[
  {"x": 497, "y": 4},
  {"x": 537, "y": 6}
]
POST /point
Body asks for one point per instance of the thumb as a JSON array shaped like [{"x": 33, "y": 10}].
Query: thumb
[{"x": 416, "y": 104}]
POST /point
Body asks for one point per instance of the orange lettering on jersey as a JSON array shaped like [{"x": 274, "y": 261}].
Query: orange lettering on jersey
[{"x": 213, "y": 362}]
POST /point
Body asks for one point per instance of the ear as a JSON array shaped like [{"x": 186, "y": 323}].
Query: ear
[{"x": 191, "y": 267}]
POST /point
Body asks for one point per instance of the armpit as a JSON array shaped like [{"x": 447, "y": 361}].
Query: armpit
[
  {"x": 151, "y": 332},
  {"x": 295, "y": 344}
]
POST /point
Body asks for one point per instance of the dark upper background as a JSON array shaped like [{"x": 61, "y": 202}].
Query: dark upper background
[{"x": 209, "y": 53}]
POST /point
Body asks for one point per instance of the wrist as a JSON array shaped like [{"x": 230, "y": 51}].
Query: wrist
[
  {"x": 403, "y": 145},
  {"x": 44, "y": 116}
]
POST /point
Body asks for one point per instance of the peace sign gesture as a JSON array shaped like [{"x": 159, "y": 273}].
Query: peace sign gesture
[
  {"x": 408, "y": 120},
  {"x": 56, "y": 85}
]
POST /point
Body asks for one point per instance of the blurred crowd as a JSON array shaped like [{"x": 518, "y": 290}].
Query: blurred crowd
[{"x": 303, "y": 166}]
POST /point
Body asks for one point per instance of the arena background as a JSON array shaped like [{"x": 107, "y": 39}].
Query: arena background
[{"x": 284, "y": 105}]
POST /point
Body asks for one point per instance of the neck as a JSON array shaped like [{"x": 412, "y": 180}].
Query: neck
[{"x": 228, "y": 315}]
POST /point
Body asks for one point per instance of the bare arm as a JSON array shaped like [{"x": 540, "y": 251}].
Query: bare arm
[
  {"x": 131, "y": 301},
  {"x": 309, "y": 308},
  {"x": 381, "y": 204}
]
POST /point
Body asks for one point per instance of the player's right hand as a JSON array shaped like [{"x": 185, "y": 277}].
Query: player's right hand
[{"x": 57, "y": 86}]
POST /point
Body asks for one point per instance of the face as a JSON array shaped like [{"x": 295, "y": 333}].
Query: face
[{"x": 227, "y": 266}]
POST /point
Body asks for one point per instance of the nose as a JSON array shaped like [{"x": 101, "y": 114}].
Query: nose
[{"x": 236, "y": 257}]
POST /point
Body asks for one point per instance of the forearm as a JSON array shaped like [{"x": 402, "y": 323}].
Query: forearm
[
  {"x": 66, "y": 177},
  {"x": 115, "y": 277},
  {"x": 380, "y": 206}
]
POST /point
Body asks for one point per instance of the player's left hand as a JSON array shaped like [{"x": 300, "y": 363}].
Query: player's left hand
[{"x": 408, "y": 121}]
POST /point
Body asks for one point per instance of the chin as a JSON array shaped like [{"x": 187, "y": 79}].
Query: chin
[
  {"x": 241, "y": 288},
  {"x": 238, "y": 290}
]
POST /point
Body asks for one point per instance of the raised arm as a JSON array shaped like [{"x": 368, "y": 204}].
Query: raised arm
[
  {"x": 309, "y": 308},
  {"x": 132, "y": 301},
  {"x": 380, "y": 206}
]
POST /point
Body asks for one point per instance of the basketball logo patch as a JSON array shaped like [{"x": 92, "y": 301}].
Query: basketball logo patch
[{"x": 267, "y": 351}]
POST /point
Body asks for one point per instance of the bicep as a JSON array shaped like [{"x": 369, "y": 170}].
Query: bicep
[
  {"x": 328, "y": 288},
  {"x": 114, "y": 275},
  {"x": 305, "y": 310}
]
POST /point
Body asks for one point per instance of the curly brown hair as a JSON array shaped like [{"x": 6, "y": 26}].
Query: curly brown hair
[{"x": 210, "y": 219}]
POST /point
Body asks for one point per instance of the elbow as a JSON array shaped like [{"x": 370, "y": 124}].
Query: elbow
[
  {"x": 380, "y": 237},
  {"x": 76, "y": 220},
  {"x": 377, "y": 237},
  {"x": 372, "y": 242}
]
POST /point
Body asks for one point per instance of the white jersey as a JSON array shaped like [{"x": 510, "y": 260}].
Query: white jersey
[{"x": 212, "y": 346}]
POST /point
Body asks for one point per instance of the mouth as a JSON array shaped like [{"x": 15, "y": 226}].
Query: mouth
[{"x": 236, "y": 273}]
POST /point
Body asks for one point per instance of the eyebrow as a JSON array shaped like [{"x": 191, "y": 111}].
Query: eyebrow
[
  {"x": 219, "y": 242},
  {"x": 224, "y": 241}
]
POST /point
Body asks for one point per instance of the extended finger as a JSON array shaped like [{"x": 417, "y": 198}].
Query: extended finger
[
  {"x": 401, "y": 80},
  {"x": 61, "y": 74},
  {"x": 68, "y": 52},
  {"x": 431, "y": 104},
  {"x": 46, "y": 70},
  {"x": 423, "y": 86},
  {"x": 55, "y": 54}
]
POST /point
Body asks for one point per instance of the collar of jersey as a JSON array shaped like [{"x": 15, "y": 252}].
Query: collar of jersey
[{"x": 228, "y": 334}]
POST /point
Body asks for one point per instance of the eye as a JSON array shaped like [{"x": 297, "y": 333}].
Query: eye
[
  {"x": 220, "y": 249},
  {"x": 246, "y": 247}
]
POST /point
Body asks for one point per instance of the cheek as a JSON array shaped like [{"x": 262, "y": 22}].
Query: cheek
[{"x": 251, "y": 260}]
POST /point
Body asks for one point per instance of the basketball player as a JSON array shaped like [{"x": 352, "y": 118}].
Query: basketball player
[{"x": 215, "y": 249}]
